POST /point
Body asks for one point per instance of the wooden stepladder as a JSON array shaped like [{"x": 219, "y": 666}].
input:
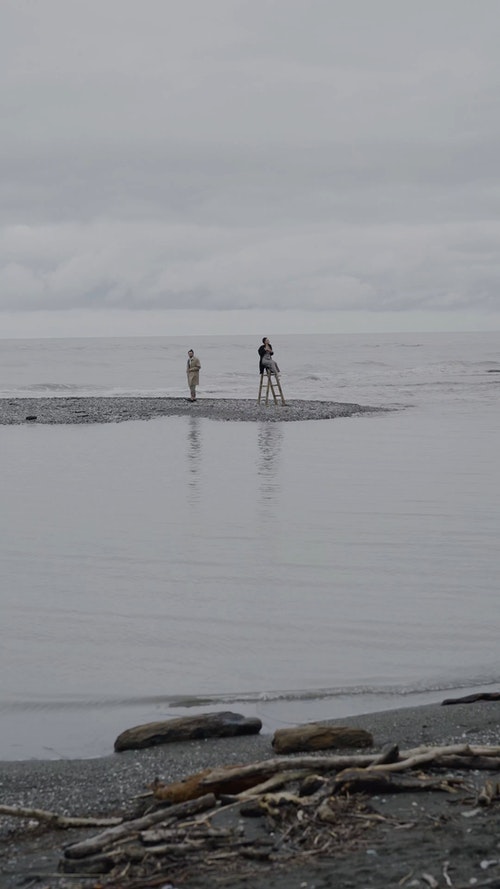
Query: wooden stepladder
[{"x": 272, "y": 386}]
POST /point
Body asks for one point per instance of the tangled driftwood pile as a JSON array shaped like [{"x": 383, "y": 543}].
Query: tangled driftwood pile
[{"x": 238, "y": 818}]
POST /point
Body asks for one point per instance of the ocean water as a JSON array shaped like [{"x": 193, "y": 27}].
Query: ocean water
[{"x": 294, "y": 571}]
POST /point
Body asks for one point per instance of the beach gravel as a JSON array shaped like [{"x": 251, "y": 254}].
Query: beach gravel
[
  {"x": 81, "y": 410},
  {"x": 424, "y": 839}
]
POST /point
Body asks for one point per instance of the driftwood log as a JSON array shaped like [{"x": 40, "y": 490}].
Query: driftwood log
[
  {"x": 309, "y": 805},
  {"x": 471, "y": 699},
  {"x": 131, "y": 828},
  {"x": 234, "y": 780},
  {"x": 317, "y": 736},
  {"x": 52, "y": 819},
  {"x": 180, "y": 791},
  {"x": 187, "y": 728},
  {"x": 372, "y": 780}
]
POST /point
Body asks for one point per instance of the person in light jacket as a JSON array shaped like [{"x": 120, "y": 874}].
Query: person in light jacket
[{"x": 193, "y": 373}]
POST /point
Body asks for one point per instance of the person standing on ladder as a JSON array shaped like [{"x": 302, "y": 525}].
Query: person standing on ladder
[{"x": 266, "y": 357}]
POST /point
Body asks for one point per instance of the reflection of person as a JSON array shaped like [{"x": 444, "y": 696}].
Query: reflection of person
[
  {"x": 193, "y": 452},
  {"x": 266, "y": 357},
  {"x": 193, "y": 373},
  {"x": 270, "y": 440}
]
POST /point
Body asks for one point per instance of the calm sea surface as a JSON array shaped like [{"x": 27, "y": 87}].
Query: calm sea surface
[{"x": 294, "y": 571}]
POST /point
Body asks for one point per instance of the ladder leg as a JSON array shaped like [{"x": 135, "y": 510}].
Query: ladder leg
[
  {"x": 273, "y": 390},
  {"x": 268, "y": 388},
  {"x": 280, "y": 390},
  {"x": 260, "y": 388}
]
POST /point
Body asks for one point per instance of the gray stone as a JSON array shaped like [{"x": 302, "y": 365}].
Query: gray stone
[{"x": 187, "y": 728}]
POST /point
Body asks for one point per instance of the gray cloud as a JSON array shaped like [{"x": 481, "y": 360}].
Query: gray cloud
[{"x": 339, "y": 156}]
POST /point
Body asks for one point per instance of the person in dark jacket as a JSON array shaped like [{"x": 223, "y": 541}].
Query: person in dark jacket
[{"x": 266, "y": 361}]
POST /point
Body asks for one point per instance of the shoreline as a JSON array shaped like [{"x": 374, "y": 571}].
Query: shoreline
[
  {"x": 112, "y": 784},
  {"x": 50, "y": 732},
  {"x": 82, "y": 410},
  {"x": 474, "y": 723}
]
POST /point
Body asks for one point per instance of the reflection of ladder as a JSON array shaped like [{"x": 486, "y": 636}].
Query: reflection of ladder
[{"x": 272, "y": 386}]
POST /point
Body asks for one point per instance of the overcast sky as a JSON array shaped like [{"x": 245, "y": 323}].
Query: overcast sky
[{"x": 200, "y": 166}]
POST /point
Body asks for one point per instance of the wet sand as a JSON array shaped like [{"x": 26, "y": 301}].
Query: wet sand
[
  {"x": 422, "y": 837},
  {"x": 53, "y": 411}
]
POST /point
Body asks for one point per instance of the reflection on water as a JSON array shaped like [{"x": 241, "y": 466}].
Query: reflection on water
[
  {"x": 270, "y": 441},
  {"x": 242, "y": 559},
  {"x": 193, "y": 452}
]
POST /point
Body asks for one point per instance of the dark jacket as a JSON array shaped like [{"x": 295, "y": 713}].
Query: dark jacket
[{"x": 263, "y": 351}]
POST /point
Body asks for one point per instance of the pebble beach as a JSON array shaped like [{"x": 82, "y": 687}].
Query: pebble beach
[
  {"x": 60, "y": 410},
  {"x": 436, "y": 831}
]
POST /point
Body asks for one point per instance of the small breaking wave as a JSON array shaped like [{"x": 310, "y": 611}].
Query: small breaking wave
[
  {"x": 192, "y": 701},
  {"x": 324, "y": 694},
  {"x": 53, "y": 387}
]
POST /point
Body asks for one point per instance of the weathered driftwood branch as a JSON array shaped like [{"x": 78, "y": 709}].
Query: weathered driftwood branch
[
  {"x": 490, "y": 792},
  {"x": 301, "y": 798},
  {"x": 160, "y": 834},
  {"x": 374, "y": 780},
  {"x": 390, "y": 753},
  {"x": 180, "y": 791},
  {"x": 489, "y": 763},
  {"x": 95, "y": 844},
  {"x": 274, "y": 783},
  {"x": 196, "y": 852},
  {"x": 219, "y": 779},
  {"x": 236, "y": 780},
  {"x": 55, "y": 820},
  {"x": 452, "y": 749},
  {"x": 196, "y": 843}
]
